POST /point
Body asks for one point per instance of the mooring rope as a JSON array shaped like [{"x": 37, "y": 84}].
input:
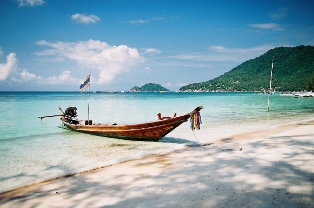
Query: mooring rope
[{"x": 195, "y": 137}]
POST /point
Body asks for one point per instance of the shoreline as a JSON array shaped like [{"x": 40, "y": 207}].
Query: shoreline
[
  {"x": 140, "y": 156},
  {"x": 230, "y": 158}
]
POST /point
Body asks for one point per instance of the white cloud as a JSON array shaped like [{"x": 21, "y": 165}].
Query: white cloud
[
  {"x": 279, "y": 14},
  {"x": 139, "y": 21},
  {"x": 223, "y": 54},
  {"x": 217, "y": 48},
  {"x": 94, "y": 54},
  {"x": 26, "y": 76},
  {"x": 31, "y": 3},
  {"x": 168, "y": 84},
  {"x": 146, "y": 21},
  {"x": 159, "y": 18},
  {"x": 7, "y": 68},
  {"x": 63, "y": 78},
  {"x": 152, "y": 51},
  {"x": 267, "y": 26},
  {"x": 83, "y": 18},
  {"x": 240, "y": 50},
  {"x": 237, "y": 54},
  {"x": 10, "y": 67}
]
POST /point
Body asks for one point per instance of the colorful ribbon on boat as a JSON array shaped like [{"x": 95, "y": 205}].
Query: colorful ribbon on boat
[{"x": 196, "y": 120}]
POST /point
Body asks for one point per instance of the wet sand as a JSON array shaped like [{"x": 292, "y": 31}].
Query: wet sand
[{"x": 267, "y": 168}]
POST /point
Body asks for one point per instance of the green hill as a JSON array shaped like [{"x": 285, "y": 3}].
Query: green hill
[
  {"x": 150, "y": 87},
  {"x": 293, "y": 68}
]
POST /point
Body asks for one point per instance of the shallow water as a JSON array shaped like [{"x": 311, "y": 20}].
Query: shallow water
[{"x": 32, "y": 150}]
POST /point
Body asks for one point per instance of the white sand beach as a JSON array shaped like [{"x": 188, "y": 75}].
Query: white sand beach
[{"x": 267, "y": 168}]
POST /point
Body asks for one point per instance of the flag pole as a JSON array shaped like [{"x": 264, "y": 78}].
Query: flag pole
[
  {"x": 83, "y": 86},
  {"x": 90, "y": 73}
]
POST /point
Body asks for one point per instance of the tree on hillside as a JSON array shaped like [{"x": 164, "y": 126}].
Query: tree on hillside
[
  {"x": 150, "y": 87},
  {"x": 311, "y": 83},
  {"x": 293, "y": 66}
]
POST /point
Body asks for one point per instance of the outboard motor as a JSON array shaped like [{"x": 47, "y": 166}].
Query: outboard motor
[
  {"x": 70, "y": 112},
  {"x": 69, "y": 115}
]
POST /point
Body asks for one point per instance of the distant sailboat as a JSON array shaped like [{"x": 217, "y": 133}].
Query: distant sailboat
[{"x": 271, "y": 91}]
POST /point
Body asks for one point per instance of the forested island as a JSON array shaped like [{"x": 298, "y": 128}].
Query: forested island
[
  {"x": 150, "y": 87},
  {"x": 293, "y": 71}
]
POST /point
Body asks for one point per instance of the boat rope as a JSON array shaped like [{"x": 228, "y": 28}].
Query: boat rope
[{"x": 195, "y": 137}]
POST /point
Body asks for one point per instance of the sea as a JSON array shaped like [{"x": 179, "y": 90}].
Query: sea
[{"x": 34, "y": 150}]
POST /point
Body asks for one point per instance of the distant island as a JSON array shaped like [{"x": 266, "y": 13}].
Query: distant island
[
  {"x": 293, "y": 71},
  {"x": 150, "y": 87}
]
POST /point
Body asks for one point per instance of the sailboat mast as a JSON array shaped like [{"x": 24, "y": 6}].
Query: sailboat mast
[
  {"x": 271, "y": 75},
  {"x": 270, "y": 87}
]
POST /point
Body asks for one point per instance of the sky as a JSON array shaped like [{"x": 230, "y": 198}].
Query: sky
[{"x": 52, "y": 45}]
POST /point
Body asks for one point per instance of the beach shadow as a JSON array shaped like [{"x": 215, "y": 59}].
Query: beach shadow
[
  {"x": 174, "y": 140},
  {"x": 32, "y": 136},
  {"x": 274, "y": 172}
]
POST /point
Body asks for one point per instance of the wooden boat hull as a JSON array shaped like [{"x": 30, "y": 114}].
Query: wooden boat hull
[
  {"x": 152, "y": 131},
  {"x": 148, "y": 131}
]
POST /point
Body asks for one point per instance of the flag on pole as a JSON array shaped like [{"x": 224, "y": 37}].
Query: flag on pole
[{"x": 85, "y": 83}]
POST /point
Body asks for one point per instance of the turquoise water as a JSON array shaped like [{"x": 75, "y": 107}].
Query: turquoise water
[{"x": 32, "y": 150}]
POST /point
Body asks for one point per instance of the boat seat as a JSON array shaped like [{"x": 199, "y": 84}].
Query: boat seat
[{"x": 165, "y": 117}]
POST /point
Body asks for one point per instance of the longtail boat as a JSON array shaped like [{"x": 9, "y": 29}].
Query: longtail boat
[{"x": 152, "y": 131}]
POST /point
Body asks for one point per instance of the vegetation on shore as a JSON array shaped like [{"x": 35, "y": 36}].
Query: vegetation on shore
[
  {"x": 293, "y": 71},
  {"x": 150, "y": 87}
]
